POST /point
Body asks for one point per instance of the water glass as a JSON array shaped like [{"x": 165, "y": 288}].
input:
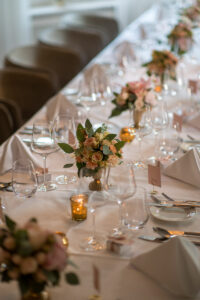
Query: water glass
[
  {"x": 135, "y": 210},
  {"x": 24, "y": 181}
]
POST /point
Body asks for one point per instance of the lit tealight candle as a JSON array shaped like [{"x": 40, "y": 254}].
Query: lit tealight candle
[
  {"x": 127, "y": 134},
  {"x": 78, "y": 206}
]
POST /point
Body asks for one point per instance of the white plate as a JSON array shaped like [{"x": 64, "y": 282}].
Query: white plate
[{"x": 172, "y": 214}]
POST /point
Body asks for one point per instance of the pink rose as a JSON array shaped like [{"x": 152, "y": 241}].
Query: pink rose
[
  {"x": 91, "y": 165},
  {"x": 90, "y": 142},
  {"x": 56, "y": 259},
  {"x": 97, "y": 156},
  {"x": 150, "y": 98}
]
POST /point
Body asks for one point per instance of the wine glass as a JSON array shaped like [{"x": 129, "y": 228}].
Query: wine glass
[
  {"x": 43, "y": 143},
  {"x": 24, "y": 181},
  {"x": 136, "y": 212},
  {"x": 144, "y": 129},
  {"x": 160, "y": 122},
  {"x": 64, "y": 132},
  {"x": 94, "y": 189},
  {"x": 121, "y": 185}
]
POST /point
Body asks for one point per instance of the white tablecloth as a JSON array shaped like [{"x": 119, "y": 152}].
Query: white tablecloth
[{"x": 119, "y": 281}]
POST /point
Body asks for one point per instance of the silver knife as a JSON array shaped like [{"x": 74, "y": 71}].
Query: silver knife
[
  {"x": 150, "y": 238},
  {"x": 175, "y": 204}
]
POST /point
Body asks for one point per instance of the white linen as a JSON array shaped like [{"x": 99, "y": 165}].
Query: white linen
[
  {"x": 60, "y": 104},
  {"x": 175, "y": 265},
  {"x": 186, "y": 168},
  {"x": 14, "y": 149},
  {"x": 195, "y": 121}
]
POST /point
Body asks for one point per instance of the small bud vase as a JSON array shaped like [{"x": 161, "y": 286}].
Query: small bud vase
[{"x": 30, "y": 295}]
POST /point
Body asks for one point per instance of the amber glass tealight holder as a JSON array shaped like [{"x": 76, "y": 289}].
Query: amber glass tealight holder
[
  {"x": 127, "y": 134},
  {"x": 79, "y": 207}
]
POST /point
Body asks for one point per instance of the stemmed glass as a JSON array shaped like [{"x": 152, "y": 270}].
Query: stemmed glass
[
  {"x": 24, "y": 181},
  {"x": 121, "y": 185},
  {"x": 44, "y": 144},
  {"x": 160, "y": 122},
  {"x": 144, "y": 129},
  {"x": 64, "y": 132},
  {"x": 96, "y": 199}
]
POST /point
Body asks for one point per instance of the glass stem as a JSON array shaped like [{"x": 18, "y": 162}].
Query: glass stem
[
  {"x": 44, "y": 166},
  {"x": 120, "y": 215},
  {"x": 93, "y": 225},
  {"x": 140, "y": 149}
]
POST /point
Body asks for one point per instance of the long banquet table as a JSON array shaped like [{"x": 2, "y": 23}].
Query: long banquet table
[{"x": 118, "y": 279}]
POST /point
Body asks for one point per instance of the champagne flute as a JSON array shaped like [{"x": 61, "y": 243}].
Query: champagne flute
[
  {"x": 64, "y": 132},
  {"x": 160, "y": 122},
  {"x": 121, "y": 185},
  {"x": 44, "y": 144},
  {"x": 144, "y": 129}
]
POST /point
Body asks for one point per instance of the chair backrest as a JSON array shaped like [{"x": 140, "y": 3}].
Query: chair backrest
[
  {"x": 15, "y": 112},
  {"x": 61, "y": 64},
  {"x": 29, "y": 90},
  {"x": 6, "y": 124},
  {"x": 86, "y": 42},
  {"x": 107, "y": 25}
]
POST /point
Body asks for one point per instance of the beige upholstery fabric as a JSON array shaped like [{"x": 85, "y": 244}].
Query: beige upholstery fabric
[
  {"x": 28, "y": 90},
  {"x": 61, "y": 65},
  {"x": 86, "y": 42}
]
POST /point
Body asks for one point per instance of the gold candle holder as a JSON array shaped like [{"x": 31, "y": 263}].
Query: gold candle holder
[
  {"x": 78, "y": 206},
  {"x": 127, "y": 134}
]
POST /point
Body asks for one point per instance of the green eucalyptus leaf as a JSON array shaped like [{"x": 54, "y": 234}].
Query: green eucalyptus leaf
[
  {"x": 119, "y": 145},
  {"x": 72, "y": 278},
  {"x": 115, "y": 112},
  {"x": 110, "y": 137},
  {"x": 106, "y": 150},
  {"x": 10, "y": 223},
  {"x": 52, "y": 276},
  {"x": 80, "y": 133},
  {"x": 68, "y": 165},
  {"x": 66, "y": 147}
]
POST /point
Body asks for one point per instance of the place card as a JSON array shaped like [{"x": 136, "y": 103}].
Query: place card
[
  {"x": 119, "y": 245},
  {"x": 193, "y": 85},
  {"x": 178, "y": 122},
  {"x": 154, "y": 174}
]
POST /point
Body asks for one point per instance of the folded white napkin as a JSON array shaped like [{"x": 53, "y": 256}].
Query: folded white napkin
[
  {"x": 186, "y": 168},
  {"x": 195, "y": 121},
  {"x": 125, "y": 53},
  {"x": 174, "y": 265},
  {"x": 60, "y": 104},
  {"x": 15, "y": 149},
  {"x": 94, "y": 80}
]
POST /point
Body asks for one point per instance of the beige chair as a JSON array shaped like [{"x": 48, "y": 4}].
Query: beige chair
[
  {"x": 87, "y": 43},
  {"x": 6, "y": 123},
  {"x": 106, "y": 26},
  {"x": 29, "y": 90},
  {"x": 61, "y": 65}
]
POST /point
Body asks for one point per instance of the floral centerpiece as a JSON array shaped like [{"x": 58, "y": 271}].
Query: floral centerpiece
[
  {"x": 181, "y": 38},
  {"x": 193, "y": 12},
  {"x": 97, "y": 149},
  {"x": 136, "y": 95},
  {"x": 32, "y": 256},
  {"x": 161, "y": 62}
]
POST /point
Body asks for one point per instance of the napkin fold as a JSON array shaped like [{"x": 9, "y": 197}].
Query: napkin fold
[
  {"x": 15, "y": 149},
  {"x": 60, "y": 104},
  {"x": 186, "y": 168},
  {"x": 195, "y": 121},
  {"x": 95, "y": 81},
  {"x": 124, "y": 53},
  {"x": 174, "y": 265}
]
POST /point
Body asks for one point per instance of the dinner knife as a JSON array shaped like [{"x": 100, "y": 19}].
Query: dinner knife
[
  {"x": 150, "y": 238},
  {"x": 176, "y": 204}
]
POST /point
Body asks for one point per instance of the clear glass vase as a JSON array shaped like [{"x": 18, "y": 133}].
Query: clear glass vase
[{"x": 30, "y": 295}]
